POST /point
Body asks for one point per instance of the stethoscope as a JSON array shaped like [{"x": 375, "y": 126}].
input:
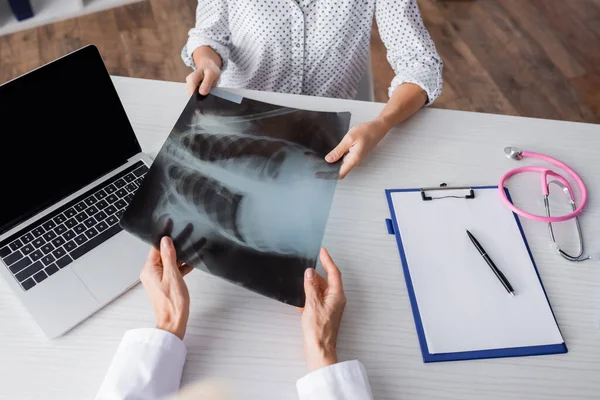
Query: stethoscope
[{"x": 559, "y": 181}]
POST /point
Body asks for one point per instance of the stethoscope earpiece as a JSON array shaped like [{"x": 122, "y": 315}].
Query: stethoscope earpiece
[{"x": 514, "y": 153}]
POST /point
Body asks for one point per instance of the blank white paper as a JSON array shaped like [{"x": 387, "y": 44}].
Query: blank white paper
[{"x": 463, "y": 305}]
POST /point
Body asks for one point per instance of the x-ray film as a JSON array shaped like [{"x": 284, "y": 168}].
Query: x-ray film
[{"x": 244, "y": 191}]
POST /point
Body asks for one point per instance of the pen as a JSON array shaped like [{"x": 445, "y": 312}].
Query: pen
[{"x": 489, "y": 261}]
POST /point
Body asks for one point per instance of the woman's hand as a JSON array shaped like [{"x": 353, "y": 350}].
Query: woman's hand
[
  {"x": 208, "y": 71},
  {"x": 322, "y": 314},
  {"x": 162, "y": 277},
  {"x": 357, "y": 143}
]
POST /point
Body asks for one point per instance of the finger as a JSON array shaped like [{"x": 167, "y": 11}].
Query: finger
[
  {"x": 350, "y": 161},
  {"x": 334, "y": 276},
  {"x": 341, "y": 149},
  {"x": 167, "y": 228},
  {"x": 184, "y": 236},
  {"x": 207, "y": 82},
  {"x": 327, "y": 175},
  {"x": 168, "y": 257},
  {"x": 312, "y": 286},
  {"x": 185, "y": 269},
  {"x": 192, "y": 81}
]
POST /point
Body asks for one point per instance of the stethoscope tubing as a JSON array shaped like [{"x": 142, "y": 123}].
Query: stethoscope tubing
[{"x": 545, "y": 172}]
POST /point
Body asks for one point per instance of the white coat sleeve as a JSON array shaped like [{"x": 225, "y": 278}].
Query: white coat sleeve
[
  {"x": 342, "y": 381},
  {"x": 148, "y": 365}
]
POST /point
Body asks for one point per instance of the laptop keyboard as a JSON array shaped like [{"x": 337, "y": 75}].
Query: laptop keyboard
[{"x": 50, "y": 244}]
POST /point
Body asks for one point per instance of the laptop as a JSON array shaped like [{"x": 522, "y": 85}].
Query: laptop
[{"x": 70, "y": 164}]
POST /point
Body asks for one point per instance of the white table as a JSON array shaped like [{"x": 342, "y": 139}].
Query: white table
[{"x": 255, "y": 342}]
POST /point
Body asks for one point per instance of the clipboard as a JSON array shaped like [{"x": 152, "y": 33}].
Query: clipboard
[{"x": 458, "y": 318}]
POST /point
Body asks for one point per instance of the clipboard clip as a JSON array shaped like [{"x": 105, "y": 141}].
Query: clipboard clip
[{"x": 443, "y": 186}]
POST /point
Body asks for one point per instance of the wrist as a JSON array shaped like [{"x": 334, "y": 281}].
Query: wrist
[
  {"x": 176, "y": 326},
  {"x": 381, "y": 126},
  {"x": 319, "y": 356}
]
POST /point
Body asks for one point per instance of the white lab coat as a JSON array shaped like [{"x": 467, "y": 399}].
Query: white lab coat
[{"x": 149, "y": 363}]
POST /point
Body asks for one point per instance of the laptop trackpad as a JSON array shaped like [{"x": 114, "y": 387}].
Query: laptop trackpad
[{"x": 113, "y": 267}]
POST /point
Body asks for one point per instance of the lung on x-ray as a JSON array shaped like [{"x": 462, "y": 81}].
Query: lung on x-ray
[{"x": 243, "y": 190}]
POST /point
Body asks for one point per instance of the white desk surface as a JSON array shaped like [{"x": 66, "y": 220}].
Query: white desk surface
[{"x": 255, "y": 342}]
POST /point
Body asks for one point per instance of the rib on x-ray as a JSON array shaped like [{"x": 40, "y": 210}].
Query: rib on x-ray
[{"x": 244, "y": 191}]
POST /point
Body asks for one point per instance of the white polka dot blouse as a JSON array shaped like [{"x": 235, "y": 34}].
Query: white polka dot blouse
[{"x": 313, "y": 47}]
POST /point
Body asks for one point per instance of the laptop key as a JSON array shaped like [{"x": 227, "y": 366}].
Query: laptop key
[
  {"x": 14, "y": 257},
  {"x": 92, "y": 210},
  {"x": 89, "y": 222},
  {"x": 28, "y": 248},
  {"x": 119, "y": 213},
  {"x": 91, "y": 232},
  {"x": 68, "y": 235},
  {"x": 59, "y": 241},
  {"x": 79, "y": 228},
  {"x": 51, "y": 269},
  {"x": 71, "y": 223},
  {"x": 5, "y": 251},
  {"x": 81, "y": 239},
  {"x": 120, "y": 183},
  {"x": 81, "y": 217},
  {"x": 58, "y": 253},
  {"x": 15, "y": 245},
  {"x": 60, "y": 229},
  {"x": 121, "y": 204},
  {"x": 132, "y": 187},
  {"x": 49, "y": 259},
  {"x": 101, "y": 226},
  {"x": 49, "y": 235},
  {"x": 79, "y": 207},
  {"x": 29, "y": 271},
  {"x": 28, "y": 237},
  {"x": 36, "y": 255},
  {"x": 110, "y": 210},
  {"x": 59, "y": 219},
  {"x": 111, "y": 220},
  {"x": 128, "y": 198},
  {"x": 110, "y": 189},
  {"x": 20, "y": 265},
  {"x": 39, "y": 242},
  {"x": 122, "y": 193},
  {"x": 40, "y": 276},
  {"x": 70, "y": 212},
  {"x": 64, "y": 261},
  {"x": 140, "y": 171},
  {"x": 90, "y": 200},
  {"x": 49, "y": 225},
  {"x": 101, "y": 215},
  {"x": 102, "y": 204},
  {"x": 112, "y": 198},
  {"x": 100, "y": 194},
  {"x": 47, "y": 248},
  {"x": 28, "y": 284},
  {"x": 70, "y": 245},
  {"x": 101, "y": 238},
  {"x": 38, "y": 231},
  {"x": 129, "y": 178}
]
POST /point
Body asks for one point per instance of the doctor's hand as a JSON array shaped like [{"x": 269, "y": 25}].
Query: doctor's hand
[
  {"x": 162, "y": 277},
  {"x": 208, "y": 71},
  {"x": 356, "y": 145},
  {"x": 322, "y": 314}
]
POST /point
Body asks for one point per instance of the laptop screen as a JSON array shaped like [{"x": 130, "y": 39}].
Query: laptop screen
[{"x": 63, "y": 126}]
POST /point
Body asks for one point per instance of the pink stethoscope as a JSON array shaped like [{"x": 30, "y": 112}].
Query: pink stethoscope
[{"x": 557, "y": 180}]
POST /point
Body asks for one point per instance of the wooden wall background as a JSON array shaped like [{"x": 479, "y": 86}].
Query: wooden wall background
[{"x": 535, "y": 58}]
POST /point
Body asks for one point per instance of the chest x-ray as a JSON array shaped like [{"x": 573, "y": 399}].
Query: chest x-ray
[{"x": 244, "y": 192}]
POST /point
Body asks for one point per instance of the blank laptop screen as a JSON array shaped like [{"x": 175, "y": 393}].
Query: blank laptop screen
[{"x": 62, "y": 126}]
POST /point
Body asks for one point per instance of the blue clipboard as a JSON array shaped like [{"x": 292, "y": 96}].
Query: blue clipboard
[{"x": 392, "y": 227}]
